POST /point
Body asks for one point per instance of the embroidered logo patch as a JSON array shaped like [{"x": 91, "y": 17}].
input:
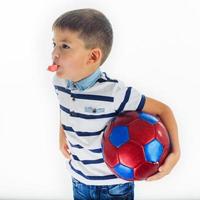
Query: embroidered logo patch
[{"x": 94, "y": 110}]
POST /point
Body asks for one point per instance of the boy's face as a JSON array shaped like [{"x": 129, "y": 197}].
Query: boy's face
[{"x": 70, "y": 54}]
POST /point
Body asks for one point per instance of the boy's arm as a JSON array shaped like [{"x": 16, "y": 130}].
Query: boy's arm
[
  {"x": 63, "y": 143},
  {"x": 155, "y": 107}
]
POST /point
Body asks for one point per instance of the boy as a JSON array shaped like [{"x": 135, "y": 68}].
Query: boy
[{"x": 88, "y": 99}]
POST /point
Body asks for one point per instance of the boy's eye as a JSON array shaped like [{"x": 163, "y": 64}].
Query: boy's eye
[{"x": 65, "y": 46}]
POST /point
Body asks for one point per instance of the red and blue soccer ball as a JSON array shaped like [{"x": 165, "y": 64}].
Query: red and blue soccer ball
[{"x": 134, "y": 145}]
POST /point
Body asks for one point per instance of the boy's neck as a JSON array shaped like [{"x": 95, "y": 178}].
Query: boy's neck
[{"x": 86, "y": 75}]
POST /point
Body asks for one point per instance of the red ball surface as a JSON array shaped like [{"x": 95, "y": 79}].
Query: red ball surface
[{"x": 134, "y": 145}]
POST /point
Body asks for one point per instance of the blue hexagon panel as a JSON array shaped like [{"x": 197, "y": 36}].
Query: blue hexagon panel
[
  {"x": 153, "y": 151},
  {"x": 124, "y": 171},
  {"x": 119, "y": 135},
  {"x": 148, "y": 118}
]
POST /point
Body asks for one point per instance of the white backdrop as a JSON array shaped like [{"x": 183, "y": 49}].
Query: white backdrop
[{"x": 156, "y": 49}]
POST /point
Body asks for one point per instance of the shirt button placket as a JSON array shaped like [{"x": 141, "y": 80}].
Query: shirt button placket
[{"x": 73, "y": 99}]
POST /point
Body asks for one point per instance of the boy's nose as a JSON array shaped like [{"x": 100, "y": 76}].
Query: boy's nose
[{"x": 55, "y": 54}]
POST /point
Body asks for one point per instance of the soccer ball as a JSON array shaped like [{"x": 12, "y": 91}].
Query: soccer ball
[{"x": 134, "y": 145}]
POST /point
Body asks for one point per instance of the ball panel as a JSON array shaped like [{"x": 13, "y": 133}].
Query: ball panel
[
  {"x": 125, "y": 118},
  {"x": 163, "y": 137},
  {"x": 131, "y": 154},
  {"x": 153, "y": 151},
  {"x": 145, "y": 170},
  {"x": 162, "y": 134},
  {"x": 119, "y": 136},
  {"x": 148, "y": 118},
  {"x": 141, "y": 132},
  {"x": 124, "y": 171}
]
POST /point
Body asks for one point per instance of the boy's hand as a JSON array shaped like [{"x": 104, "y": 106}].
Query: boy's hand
[
  {"x": 65, "y": 150},
  {"x": 165, "y": 169},
  {"x": 63, "y": 144}
]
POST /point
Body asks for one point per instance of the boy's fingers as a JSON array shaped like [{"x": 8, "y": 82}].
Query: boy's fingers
[
  {"x": 68, "y": 156},
  {"x": 66, "y": 152},
  {"x": 156, "y": 176}
]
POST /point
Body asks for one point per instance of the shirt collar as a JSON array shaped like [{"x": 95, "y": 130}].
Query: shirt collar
[{"x": 85, "y": 83}]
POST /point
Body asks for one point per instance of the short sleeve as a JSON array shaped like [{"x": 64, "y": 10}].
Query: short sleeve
[{"x": 127, "y": 98}]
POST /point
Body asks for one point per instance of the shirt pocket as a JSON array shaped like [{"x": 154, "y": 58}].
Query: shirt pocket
[{"x": 96, "y": 108}]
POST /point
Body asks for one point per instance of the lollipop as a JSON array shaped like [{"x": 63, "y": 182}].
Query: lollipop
[{"x": 52, "y": 68}]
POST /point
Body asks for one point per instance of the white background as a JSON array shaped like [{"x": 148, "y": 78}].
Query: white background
[{"x": 156, "y": 49}]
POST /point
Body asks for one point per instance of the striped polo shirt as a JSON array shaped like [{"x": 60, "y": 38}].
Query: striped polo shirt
[{"x": 85, "y": 109}]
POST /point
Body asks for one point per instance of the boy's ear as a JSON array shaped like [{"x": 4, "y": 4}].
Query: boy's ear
[{"x": 95, "y": 56}]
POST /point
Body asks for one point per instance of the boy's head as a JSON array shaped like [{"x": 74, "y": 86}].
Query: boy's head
[{"x": 82, "y": 42}]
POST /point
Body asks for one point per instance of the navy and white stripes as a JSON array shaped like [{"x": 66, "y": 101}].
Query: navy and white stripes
[{"x": 84, "y": 116}]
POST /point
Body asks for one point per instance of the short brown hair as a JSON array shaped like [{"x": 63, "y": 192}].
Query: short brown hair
[{"x": 93, "y": 27}]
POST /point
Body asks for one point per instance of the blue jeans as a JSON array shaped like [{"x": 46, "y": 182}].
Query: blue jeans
[{"x": 81, "y": 191}]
